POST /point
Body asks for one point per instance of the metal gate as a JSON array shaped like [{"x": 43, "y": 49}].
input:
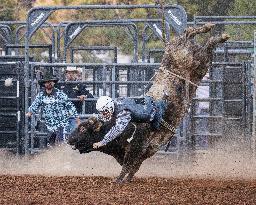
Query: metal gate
[
  {"x": 11, "y": 104},
  {"x": 224, "y": 114}
]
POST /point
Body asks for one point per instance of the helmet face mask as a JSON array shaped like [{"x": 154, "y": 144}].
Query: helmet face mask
[
  {"x": 105, "y": 106},
  {"x": 105, "y": 115}
]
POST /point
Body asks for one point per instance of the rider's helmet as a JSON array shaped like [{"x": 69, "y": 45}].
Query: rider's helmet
[{"x": 105, "y": 105}]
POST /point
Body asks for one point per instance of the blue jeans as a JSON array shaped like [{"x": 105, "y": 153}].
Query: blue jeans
[
  {"x": 62, "y": 133},
  {"x": 56, "y": 137},
  {"x": 69, "y": 128},
  {"x": 160, "y": 106}
]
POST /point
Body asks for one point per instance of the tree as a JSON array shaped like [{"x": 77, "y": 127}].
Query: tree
[
  {"x": 7, "y": 8},
  {"x": 205, "y": 7},
  {"x": 12, "y": 10},
  {"x": 242, "y": 8}
]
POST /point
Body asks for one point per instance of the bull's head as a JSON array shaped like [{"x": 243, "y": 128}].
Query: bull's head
[{"x": 86, "y": 134}]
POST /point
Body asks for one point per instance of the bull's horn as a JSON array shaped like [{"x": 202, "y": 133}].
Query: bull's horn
[
  {"x": 92, "y": 120},
  {"x": 98, "y": 126}
]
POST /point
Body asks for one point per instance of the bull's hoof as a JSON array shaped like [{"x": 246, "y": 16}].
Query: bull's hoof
[
  {"x": 209, "y": 26},
  {"x": 128, "y": 179},
  {"x": 118, "y": 181},
  {"x": 225, "y": 36},
  {"x": 122, "y": 181}
]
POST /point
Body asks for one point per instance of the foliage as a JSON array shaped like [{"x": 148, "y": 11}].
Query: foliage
[
  {"x": 17, "y": 10},
  {"x": 204, "y": 8},
  {"x": 242, "y": 8},
  {"x": 14, "y": 10},
  {"x": 7, "y": 10}
]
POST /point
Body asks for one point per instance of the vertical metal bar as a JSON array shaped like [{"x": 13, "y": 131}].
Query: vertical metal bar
[
  {"x": 64, "y": 58},
  {"x": 115, "y": 54},
  {"x": 18, "y": 134},
  {"x": 253, "y": 141},
  {"x": 128, "y": 79},
  {"x": 212, "y": 104},
  {"x": 72, "y": 55},
  {"x": 226, "y": 59},
  {"x": 222, "y": 101},
  {"x": 183, "y": 126},
  {"x": 244, "y": 99},
  {"x": 33, "y": 118},
  {"x": 53, "y": 46},
  {"x": 247, "y": 101},
  {"x": 113, "y": 78},
  {"x": 104, "y": 78},
  {"x": 144, "y": 39},
  {"x": 186, "y": 101},
  {"x": 51, "y": 56},
  {"x": 94, "y": 77},
  {"x": 58, "y": 42},
  {"x": 135, "y": 44},
  {"x": 190, "y": 138},
  {"x": 26, "y": 83}
]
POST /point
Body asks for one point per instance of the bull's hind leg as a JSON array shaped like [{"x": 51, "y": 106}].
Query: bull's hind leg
[
  {"x": 205, "y": 57},
  {"x": 192, "y": 31},
  {"x": 211, "y": 43}
]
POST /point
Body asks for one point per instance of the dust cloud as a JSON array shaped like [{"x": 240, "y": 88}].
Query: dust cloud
[{"x": 222, "y": 162}]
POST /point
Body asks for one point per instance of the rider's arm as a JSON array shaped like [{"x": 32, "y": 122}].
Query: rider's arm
[
  {"x": 122, "y": 120},
  {"x": 36, "y": 103}
]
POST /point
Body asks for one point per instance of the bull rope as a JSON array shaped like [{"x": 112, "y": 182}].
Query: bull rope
[{"x": 178, "y": 76}]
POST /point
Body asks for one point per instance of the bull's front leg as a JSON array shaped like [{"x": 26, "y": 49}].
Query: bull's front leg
[
  {"x": 131, "y": 165},
  {"x": 133, "y": 170},
  {"x": 130, "y": 169},
  {"x": 123, "y": 173}
]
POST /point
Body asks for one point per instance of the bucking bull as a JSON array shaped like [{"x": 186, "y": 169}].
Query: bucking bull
[{"x": 183, "y": 66}]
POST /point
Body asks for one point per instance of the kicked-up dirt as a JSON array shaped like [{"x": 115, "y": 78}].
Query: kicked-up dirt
[{"x": 63, "y": 176}]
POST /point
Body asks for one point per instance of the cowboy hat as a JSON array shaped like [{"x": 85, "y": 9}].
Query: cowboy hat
[
  {"x": 71, "y": 69},
  {"x": 48, "y": 77}
]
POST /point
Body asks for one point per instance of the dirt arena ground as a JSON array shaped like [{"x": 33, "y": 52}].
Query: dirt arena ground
[{"x": 63, "y": 176}]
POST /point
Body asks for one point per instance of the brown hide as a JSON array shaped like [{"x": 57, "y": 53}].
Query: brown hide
[{"x": 183, "y": 66}]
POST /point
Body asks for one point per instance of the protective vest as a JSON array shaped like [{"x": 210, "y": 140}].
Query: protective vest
[{"x": 139, "y": 112}]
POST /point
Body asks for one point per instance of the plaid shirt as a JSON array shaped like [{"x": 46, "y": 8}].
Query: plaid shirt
[
  {"x": 122, "y": 120},
  {"x": 56, "y": 108}
]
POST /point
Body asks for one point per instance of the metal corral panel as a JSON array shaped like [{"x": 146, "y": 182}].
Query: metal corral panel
[{"x": 11, "y": 105}]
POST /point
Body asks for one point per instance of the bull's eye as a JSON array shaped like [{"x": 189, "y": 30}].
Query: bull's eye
[
  {"x": 82, "y": 129},
  {"x": 97, "y": 126}
]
